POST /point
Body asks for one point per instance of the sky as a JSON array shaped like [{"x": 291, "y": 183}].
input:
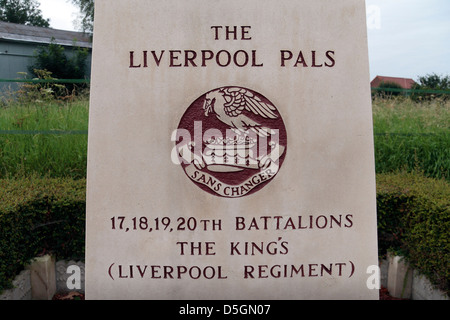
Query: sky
[
  {"x": 62, "y": 13},
  {"x": 406, "y": 38}
]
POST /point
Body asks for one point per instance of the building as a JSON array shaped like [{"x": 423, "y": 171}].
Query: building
[
  {"x": 18, "y": 44},
  {"x": 405, "y": 83}
]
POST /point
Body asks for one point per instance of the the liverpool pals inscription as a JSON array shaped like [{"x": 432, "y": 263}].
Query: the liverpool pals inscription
[
  {"x": 187, "y": 58},
  {"x": 278, "y": 246}
]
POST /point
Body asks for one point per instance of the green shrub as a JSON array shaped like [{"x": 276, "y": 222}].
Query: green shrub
[
  {"x": 40, "y": 92},
  {"x": 39, "y": 216},
  {"x": 54, "y": 59},
  {"x": 414, "y": 221},
  {"x": 62, "y": 65}
]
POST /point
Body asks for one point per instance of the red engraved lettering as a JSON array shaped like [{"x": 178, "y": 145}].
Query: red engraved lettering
[{"x": 132, "y": 65}]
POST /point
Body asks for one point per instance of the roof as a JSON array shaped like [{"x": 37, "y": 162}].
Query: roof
[
  {"x": 405, "y": 83},
  {"x": 22, "y": 33}
]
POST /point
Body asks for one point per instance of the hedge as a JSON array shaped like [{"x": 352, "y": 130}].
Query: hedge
[
  {"x": 38, "y": 216},
  {"x": 414, "y": 222}
]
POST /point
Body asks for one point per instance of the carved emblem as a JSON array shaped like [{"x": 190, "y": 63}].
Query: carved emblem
[{"x": 231, "y": 141}]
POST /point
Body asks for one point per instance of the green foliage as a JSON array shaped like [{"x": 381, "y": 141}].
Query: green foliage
[
  {"x": 43, "y": 152},
  {"x": 22, "y": 12},
  {"x": 39, "y": 216},
  {"x": 41, "y": 92},
  {"x": 59, "y": 64},
  {"x": 412, "y": 136},
  {"x": 431, "y": 82},
  {"x": 414, "y": 221}
]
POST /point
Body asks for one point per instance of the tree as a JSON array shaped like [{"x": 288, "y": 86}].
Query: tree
[
  {"x": 22, "y": 12},
  {"x": 87, "y": 14},
  {"x": 431, "y": 82}
]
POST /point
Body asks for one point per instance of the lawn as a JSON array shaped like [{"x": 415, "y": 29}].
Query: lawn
[
  {"x": 47, "y": 139},
  {"x": 412, "y": 137}
]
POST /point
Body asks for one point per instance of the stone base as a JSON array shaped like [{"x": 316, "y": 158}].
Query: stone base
[
  {"x": 43, "y": 278},
  {"x": 21, "y": 288}
]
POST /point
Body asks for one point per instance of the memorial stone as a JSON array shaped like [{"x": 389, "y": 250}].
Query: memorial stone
[{"x": 230, "y": 151}]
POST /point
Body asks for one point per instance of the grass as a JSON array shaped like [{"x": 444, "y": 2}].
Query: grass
[
  {"x": 409, "y": 136},
  {"x": 412, "y": 136},
  {"x": 33, "y": 142}
]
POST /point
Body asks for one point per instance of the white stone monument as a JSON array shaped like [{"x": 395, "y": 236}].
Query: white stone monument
[{"x": 230, "y": 151}]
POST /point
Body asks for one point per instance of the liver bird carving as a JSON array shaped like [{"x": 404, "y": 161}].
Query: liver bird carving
[{"x": 231, "y": 104}]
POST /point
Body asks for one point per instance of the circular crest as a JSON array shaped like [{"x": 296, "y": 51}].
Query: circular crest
[{"x": 231, "y": 141}]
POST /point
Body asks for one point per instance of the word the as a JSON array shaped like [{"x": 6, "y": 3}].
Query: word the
[{"x": 231, "y": 32}]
